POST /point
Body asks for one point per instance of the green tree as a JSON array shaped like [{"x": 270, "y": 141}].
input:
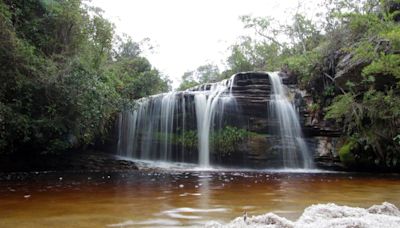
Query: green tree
[
  {"x": 203, "y": 74},
  {"x": 188, "y": 81},
  {"x": 62, "y": 83},
  {"x": 369, "y": 109}
]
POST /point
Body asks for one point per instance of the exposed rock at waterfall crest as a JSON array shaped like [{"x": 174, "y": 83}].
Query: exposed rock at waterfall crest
[
  {"x": 249, "y": 110},
  {"x": 252, "y": 91}
]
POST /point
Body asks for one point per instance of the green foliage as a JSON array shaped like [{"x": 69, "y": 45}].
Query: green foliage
[
  {"x": 63, "y": 77},
  {"x": 340, "y": 107},
  {"x": 238, "y": 61},
  {"x": 303, "y": 65},
  {"x": 369, "y": 112},
  {"x": 329, "y": 91},
  {"x": 225, "y": 140},
  {"x": 368, "y": 30},
  {"x": 135, "y": 78},
  {"x": 384, "y": 66},
  {"x": 345, "y": 153},
  {"x": 253, "y": 55},
  {"x": 314, "y": 107},
  {"x": 186, "y": 84},
  {"x": 267, "y": 52},
  {"x": 372, "y": 121},
  {"x": 304, "y": 34},
  {"x": 62, "y": 83},
  {"x": 393, "y": 35},
  {"x": 203, "y": 74},
  {"x": 362, "y": 51},
  {"x": 228, "y": 139},
  {"x": 188, "y": 139},
  {"x": 362, "y": 25}
]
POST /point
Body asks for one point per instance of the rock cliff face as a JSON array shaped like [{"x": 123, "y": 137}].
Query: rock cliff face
[
  {"x": 252, "y": 92},
  {"x": 251, "y": 110}
]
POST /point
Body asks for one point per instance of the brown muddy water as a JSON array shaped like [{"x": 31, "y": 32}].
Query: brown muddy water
[{"x": 178, "y": 197}]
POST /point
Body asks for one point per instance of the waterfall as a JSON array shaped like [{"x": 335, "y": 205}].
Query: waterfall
[
  {"x": 167, "y": 123},
  {"x": 155, "y": 128},
  {"x": 146, "y": 132},
  {"x": 184, "y": 126},
  {"x": 203, "y": 129},
  {"x": 207, "y": 106},
  {"x": 294, "y": 148}
]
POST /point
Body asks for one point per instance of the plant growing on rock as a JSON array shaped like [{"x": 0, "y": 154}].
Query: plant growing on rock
[
  {"x": 187, "y": 139},
  {"x": 228, "y": 139}
]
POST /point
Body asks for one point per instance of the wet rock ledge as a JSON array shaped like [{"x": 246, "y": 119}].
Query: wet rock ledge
[{"x": 73, "y": 161}]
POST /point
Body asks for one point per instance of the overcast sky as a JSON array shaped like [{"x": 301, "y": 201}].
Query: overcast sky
[{"x": 189, "y": 33}]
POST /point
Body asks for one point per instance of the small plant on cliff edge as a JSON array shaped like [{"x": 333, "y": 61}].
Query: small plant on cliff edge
[
  {"x": 188, "y": 139},
  {"x": 345, "y": 153},
  {"x": 314, "y": 107},
  {"x": 225, "y": 140},
  {"x": 228, "y": 139}
]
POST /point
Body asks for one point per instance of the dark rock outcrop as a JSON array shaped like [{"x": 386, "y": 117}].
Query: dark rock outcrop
[
  {"x": 74, "y": 161},
  {"x": 251, "y": 110},
  {"x": 350, "y": 67},
  {"x": 252, "y": 91}
]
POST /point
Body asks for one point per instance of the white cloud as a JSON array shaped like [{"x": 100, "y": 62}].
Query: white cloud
[{"x": 188, "y": 33}]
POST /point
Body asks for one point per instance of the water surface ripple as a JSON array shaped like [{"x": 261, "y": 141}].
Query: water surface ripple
[{"x": 178, "y": 197}]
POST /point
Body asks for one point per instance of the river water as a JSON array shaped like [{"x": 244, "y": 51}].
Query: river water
[{"x": 178, "y": 197}]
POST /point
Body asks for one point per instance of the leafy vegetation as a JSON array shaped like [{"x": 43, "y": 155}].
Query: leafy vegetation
[
  {"x": 225, "y": 140},
  {"x": 203, "y": 74},
  {"x": 228, "y": 139},
  {"x": 345, "y": 153},
  {"x": 188, "y": 139},
  {"x": 64, "y": 76},
  {"x": 348, "y": 59}
]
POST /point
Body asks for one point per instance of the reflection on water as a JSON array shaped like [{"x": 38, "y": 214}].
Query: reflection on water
[{"x": 178, "y": 198}]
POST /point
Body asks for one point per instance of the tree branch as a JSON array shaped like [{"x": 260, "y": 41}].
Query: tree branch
[{"x": 333, "y": 80}]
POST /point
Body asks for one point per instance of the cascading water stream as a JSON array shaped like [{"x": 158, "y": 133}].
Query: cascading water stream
[
  {"x": 206, "y": 107},
  {"x": 152, "y": 120},
  {"x": 169, "y": 127},
  {"x": 294, "y": 148},
  {"x": 157, "y": 124},
  {"x": 167, "y": 124}
]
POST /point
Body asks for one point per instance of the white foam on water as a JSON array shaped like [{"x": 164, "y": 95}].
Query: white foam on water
[
  {"x": 328, "y": 215},
  {"x": 191, "y": 167},
  {"x": 141, "y": 163},
  {"x": 298, "y": 171}
]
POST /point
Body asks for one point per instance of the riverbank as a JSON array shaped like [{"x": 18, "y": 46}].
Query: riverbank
[
  {"x": 73, "y": 161},
  {"x": 99, "y": 161}
]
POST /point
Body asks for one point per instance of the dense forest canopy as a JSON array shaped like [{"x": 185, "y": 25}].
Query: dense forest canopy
[
  {"x": 348, "y": 59},
  {"x": 65, "y": 75}
]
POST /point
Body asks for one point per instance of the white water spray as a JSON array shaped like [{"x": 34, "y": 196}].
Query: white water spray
[
  {"x": 159, "y": 127},
  {"x": 294, "y": 148},
  {"x": 151, "y": 121},
  {"x": 206, "y": 107}
]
